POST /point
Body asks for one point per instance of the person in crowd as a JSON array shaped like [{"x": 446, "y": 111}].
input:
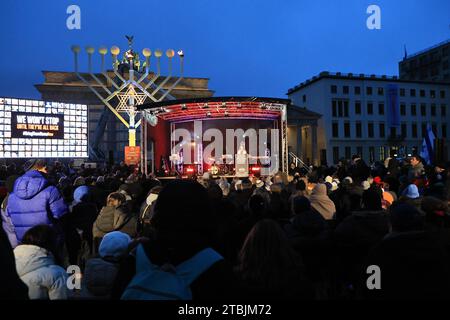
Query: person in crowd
[
  {"x": 416, "y": 169},
  {"x": 37, "y": 267},
  {"x": 34, "y": 201},
  {"x": 413, "y": 263},
  {"x": 268, "y": 266},
  {"x": 7, "y": 223},
  {"x": 184, "y": 231},
  {"x": 411, "y": 196},
  {"x": 12, "y": 287},
  {"x": 100, "y": 272},
  {"x": 437, "y": 220},
  {"x": 321, "y": 202},
  {"x": 115, "y": 216},
  {"x": 357, "y": 234},
  {"x": 80, "y": 219}
]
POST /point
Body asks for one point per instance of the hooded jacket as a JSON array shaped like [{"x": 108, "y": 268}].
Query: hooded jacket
[
  {"x": 37, "y": 269},
  {"x": 321, "y": 202},
  {"x": 34, "y": 201}
]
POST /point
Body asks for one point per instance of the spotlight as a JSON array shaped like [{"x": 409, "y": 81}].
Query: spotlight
[
  {"x": 205, "y": 106},
  {"x": 208, "y": 114},
  {"x": 224, "y": 105},
  {"x": 226, "y": 114},
  {"x": 183, "y": 107},
  {"x": 263, "y": 106},
  {"x": 239, "y": 106}
]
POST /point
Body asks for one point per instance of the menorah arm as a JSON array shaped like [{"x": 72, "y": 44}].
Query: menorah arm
[
  {"x": 119, "y": 89},
  {"x": 100, "y": 83},
  {"x": 102, "y": 99},
  {"x": 162, "y": 84},
  {"x": 105, "y": 74},
  {"x": 119, "y": 76},
  {"x": 167, "y": 92},
  {"x": 145, "y": 91}
]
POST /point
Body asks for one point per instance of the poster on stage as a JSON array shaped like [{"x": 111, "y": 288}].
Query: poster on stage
[{"x": 132, "y": 155}]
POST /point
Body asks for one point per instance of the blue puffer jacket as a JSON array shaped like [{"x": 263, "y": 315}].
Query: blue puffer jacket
[{"x": 32, "y": 202}]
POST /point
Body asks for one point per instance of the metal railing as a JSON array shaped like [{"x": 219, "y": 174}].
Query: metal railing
[{"x": 298, "y": 162}]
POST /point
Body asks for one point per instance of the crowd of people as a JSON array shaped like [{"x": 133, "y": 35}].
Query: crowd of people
[{"x": 309, "y": 234}]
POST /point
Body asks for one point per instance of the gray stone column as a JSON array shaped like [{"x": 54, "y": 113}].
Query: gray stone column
[
  {"x": 299, "y": 141},
  {"x": 315, "y": 155}
]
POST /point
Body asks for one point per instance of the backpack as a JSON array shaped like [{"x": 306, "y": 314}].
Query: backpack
[{"x": 151, "y": 282}]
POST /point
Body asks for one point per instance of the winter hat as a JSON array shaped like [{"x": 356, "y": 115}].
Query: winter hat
[
  {"x": 80, "y": 181},
  {"x": 405, "y": 217},
  {"x": 377, "y": 181},
  {"x": 81, "y": 193},
  {"x": 334, "y": 186},
  {"x": 349, "y": 179},
  {"x": 371, "y": 200},
  {"x": 329, "y": 185},
  {"x": 411, "y": 192},
  {"x": 301, "y": 204},
  {"x": 259, "y": 183},
  {"x": 32, "y": 162},
  {"x": 114, "y": 244},
  {"x": 329, "y": 179},
  {"x": 365, "y": 184},
  {"x": 206, "y": 176}
]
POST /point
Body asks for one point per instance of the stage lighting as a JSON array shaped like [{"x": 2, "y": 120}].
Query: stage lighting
[
  {"x": 226, "y": 114},
  {"x": 239, "y": 106},
  {"x": 208, "y": 114},
  {"x": 224, "y": 105},
  {"x": 183, "y": 107},
  {"x": 205, "y": 106},
  {"x": 263, "y": 106}
]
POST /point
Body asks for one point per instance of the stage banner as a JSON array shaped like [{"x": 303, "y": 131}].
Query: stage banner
[
  {"x": 132, "y": 155},
  {"x": 393, "y": 109}
]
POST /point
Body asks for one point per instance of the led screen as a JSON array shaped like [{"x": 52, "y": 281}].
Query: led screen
[{"x": 39, "y": 129}]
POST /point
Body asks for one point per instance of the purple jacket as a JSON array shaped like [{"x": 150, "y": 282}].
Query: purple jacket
[{"x": 32, "y": 202}]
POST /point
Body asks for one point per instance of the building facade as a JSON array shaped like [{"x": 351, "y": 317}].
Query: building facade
[
  {"x": 66, "y": 87},
  {"x": 373, "y": 116},
  {"x": 431, "y": 64}
]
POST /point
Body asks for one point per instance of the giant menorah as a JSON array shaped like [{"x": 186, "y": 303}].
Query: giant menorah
[{"x": 132, "y": 84}]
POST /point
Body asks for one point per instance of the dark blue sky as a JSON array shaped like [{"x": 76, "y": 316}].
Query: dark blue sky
[{"x": 246, "y": 47}]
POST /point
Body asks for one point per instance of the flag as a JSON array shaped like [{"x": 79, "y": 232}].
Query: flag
[{"x": 427, "y": 151}]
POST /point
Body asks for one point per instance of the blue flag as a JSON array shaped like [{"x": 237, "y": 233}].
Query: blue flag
[{"x": 427, "y": 151}]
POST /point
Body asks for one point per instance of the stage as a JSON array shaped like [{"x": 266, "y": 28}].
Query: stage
[{"x": 231, "y": 136}]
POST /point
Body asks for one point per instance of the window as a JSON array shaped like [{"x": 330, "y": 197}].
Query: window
[
  {"x": 380, "y": 91},
  {"x": 444, "y": 131},
  {"x": 358, "y": 130},
  {"x": 402, "y": 92},
  {"x": 404, "y": 130},
  {"x": 423, "y": 110},
  {"x": 340, "y": 109},
  {"x": 345, "y": 89},
  {"x": 381, "y": 108},
  {"x": 393, "y": 132},
  {"x": 422, "y": 93},
  {"x": 333, "y": 89},
  {"x": 370, "y": 130},
  {"x": 424, "y": 130},
  {"x": 335, "y": 130},
  {"x": 382, "y": 153},
  {"x": 432, "y": 94},
  {"x": 403, "y": 109},
  {"x": 413, "y": 110},
  {"x": 414, "y": 130},
  {"x": 412, "y": 92},
  {"x": 370, "y": 108},
  {"x": 442, "y": 94},
  {"x": 357, "y": 90},
  {"x": 372, "y": 154},
  {"x": 346, "y": 109},
  {"x": 358, "y": 107},
  {"x": 347, "y": 129},
  {"x": 443, "y": 110},
  {"x": 348, "y": 152},
  {"x": 304, "y": 98},
  {"x": 359, "y": 151},
  {"x": 433, "y": 110},
  {"x": 382, "y": 130},
  {"x": 369, "y": 91},
  {"x": 335, "y": 154},
  {"x": 334, "y": 108}
]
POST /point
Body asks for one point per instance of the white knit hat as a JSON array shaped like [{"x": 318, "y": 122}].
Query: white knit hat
[{"x": 365, "y": 184}]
